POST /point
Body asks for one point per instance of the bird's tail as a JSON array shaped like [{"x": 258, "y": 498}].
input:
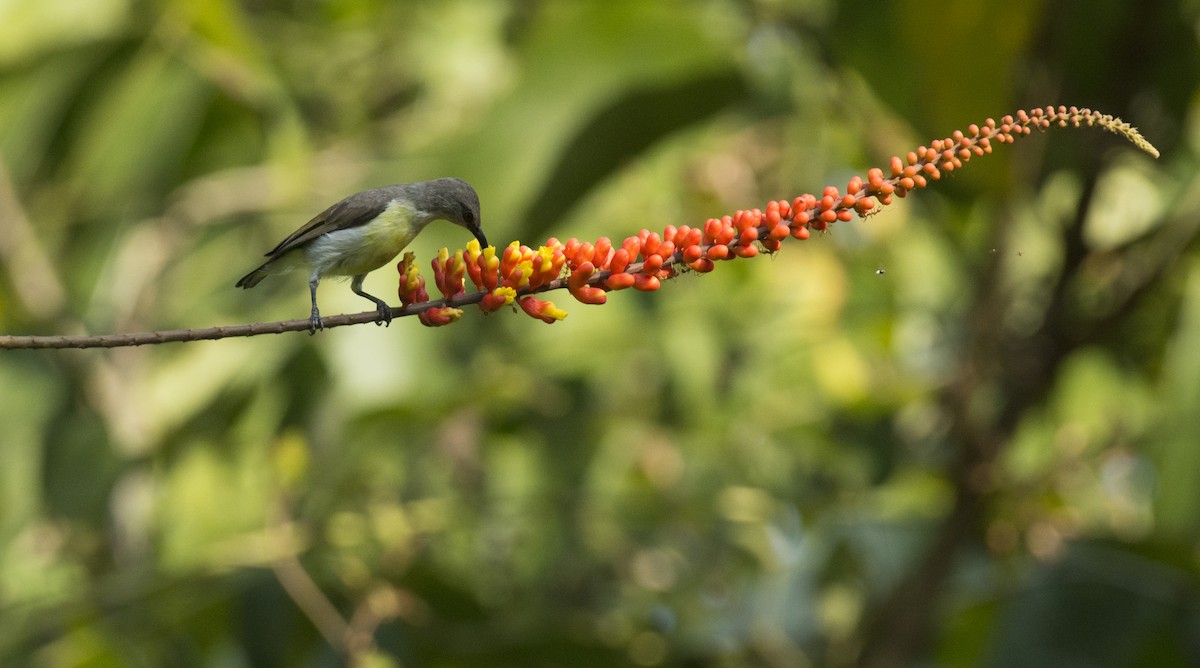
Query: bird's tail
[{"x": 255, "y": 277}]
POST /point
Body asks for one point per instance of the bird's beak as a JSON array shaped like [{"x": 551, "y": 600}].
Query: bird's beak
[{"x": 478, "y": 232}]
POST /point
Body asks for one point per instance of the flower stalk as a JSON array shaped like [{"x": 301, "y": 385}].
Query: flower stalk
[{"x": 590, "y": 270}]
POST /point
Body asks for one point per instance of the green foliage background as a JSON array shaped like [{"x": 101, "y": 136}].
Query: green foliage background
[{"x": 985, "y": 455}]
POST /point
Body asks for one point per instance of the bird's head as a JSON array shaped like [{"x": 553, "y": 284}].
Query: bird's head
[{"x": 456, "y": 201}]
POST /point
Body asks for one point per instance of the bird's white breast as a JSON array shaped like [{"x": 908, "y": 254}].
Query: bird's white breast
[{"x": 358, "y": 250}]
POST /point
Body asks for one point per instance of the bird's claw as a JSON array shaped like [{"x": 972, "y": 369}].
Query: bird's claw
[
  {"x": 385, "y": 315},
  {"x": 315, "y": 323}
]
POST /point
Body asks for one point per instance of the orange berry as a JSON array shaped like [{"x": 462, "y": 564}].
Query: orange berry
[
  {"x": 746, "y": 251},
  {"x": 703, "y": 265},
  {"x": 717, "y": 252}
]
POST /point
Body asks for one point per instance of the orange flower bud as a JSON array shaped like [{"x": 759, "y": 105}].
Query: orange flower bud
[
  {"x": 585, "y": 252},
  {"x": 644, "y": 283},
  {"x": 712, "y": 227},
  {"x": 590, "y": 295},
  {"x": 620, "y": 260},
  {"x": 727, "y": 235},
  {"x": 497, "y": 299},
  {"x": 746, "y": 251},
  {"x": 580, "y": 276},
  {"x": 718, "y": 252},
  {"x": 632, "y": 246},
  {"x": 603, "y": 252},
  {"x": 702, "y": 266},
  {"x": 545, "y": 311},
  {"x": 650, "y": 244},
  {"x": 437, "y": 317},
  {"x": 619, "y": 281}
]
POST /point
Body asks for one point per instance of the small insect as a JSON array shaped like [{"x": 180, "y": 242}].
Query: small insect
[{"x": 880, "y": 271}]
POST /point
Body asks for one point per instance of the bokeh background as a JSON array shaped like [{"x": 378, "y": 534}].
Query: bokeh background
[{"x": 986, "y": 454}]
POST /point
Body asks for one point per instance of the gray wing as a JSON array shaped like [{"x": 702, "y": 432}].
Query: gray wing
[{"x": 354, "y": 211}]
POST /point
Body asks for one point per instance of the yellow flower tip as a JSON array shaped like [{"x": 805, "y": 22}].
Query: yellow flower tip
[
  {"x": 412, "y": 277},
  {"x": 438, "y": 317},
  {"x": 509, "y": 294},
  {"x": 473, "y": 247},
  {"x": 545, "y": 311},
  {"x": 526, "y": 269},
  {"x": 443, "y": 255}
]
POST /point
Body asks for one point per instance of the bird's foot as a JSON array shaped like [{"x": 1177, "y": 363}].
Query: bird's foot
[
  {"x": 315, "y": 323},
  {"x": 385, "y": 314}
]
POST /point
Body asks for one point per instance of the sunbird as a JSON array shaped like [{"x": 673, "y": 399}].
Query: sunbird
[{"x": 366, "y": 231}]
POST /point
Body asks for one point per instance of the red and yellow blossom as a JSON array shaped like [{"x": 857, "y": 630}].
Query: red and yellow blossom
[{"x": 590, "y": 270}]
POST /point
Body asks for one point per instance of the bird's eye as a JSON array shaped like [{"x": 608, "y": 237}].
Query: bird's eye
[{"x": 468, "y": 217}]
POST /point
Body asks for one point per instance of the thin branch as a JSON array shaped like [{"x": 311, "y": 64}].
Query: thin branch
[
  {"x": 312, "y": 601},
  {"x": 12, "y": 342},
  {"x": 752, "y": 229}
]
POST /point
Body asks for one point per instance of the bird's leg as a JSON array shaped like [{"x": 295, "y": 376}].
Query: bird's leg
[
  {"x": 385, "y": 311},
  {"x": 314, "y": 320}
]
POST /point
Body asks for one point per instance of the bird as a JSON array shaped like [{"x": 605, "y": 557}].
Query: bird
[{"x": 365, "y": 231}]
